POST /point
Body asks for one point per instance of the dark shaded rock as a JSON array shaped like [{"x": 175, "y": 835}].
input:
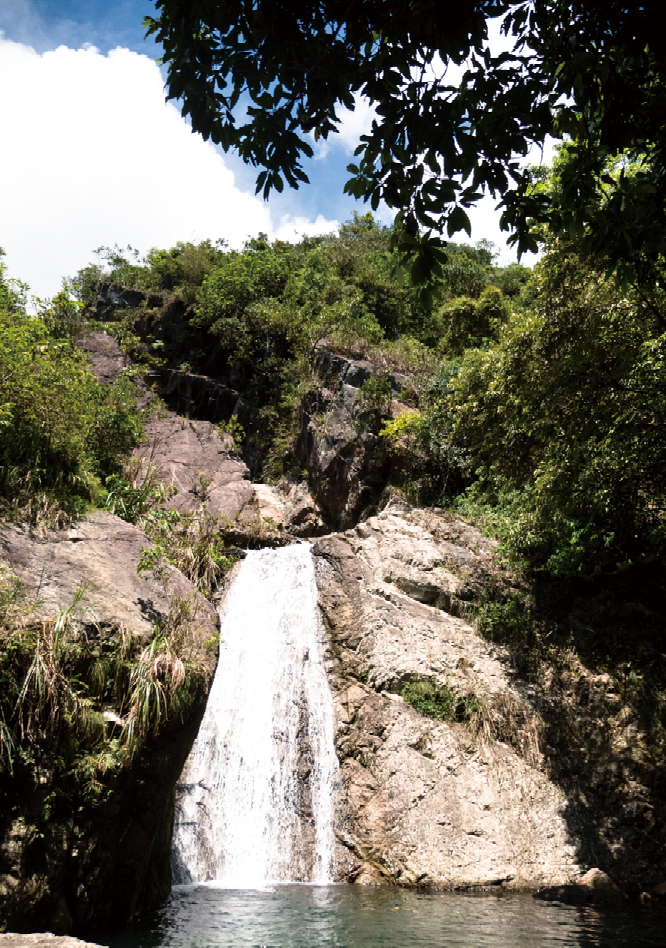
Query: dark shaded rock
[
  {"x": 198, "y": 396},
  {"x": 346, "y": 463},
  {"x": 567, "y": 894},
  {"x": 340, "y": 370},
  {"x": 595, "y": 887},
  {"x": 113, "y": 297},
  {"x": 338, "y": 444}
]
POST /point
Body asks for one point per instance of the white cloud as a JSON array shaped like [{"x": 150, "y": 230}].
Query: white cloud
[
  {"x": 292, "y": 228},
  {"x": 356, "y": 123},
  {"x": 94, "y": 156}
]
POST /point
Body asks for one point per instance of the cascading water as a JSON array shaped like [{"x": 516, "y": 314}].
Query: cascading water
[{"x": 256, "y": 801}]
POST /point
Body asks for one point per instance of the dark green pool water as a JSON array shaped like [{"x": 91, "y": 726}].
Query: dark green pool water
[{"x": 294, "y": 916}]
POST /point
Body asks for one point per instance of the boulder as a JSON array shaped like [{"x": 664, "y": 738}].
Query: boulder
[
  {"x": 193, "y": 457},
  {"x": 99, "y": 555},
  {"x": 594, "y": 887},
  {"x": 276, "y": 514}
]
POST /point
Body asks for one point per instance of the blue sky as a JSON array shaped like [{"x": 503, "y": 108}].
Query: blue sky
[{"x": 94, "y": 156}]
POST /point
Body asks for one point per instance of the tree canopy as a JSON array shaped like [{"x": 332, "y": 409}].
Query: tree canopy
[{"x": 266, "y": 77}]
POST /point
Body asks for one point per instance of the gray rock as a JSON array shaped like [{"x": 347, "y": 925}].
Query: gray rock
[
  {"x": 424, "y": 802},
  {"x": 99, "y": 554},
  {"x": 192, "y": 456},
  {"x": 42, "y": 940},
  {"x": 106, "y": 357}
]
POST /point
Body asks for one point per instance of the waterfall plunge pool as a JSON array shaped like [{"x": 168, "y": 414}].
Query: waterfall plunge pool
[
  {"x": 348, "y": 916},
  {"x": 245, "y": 820}
]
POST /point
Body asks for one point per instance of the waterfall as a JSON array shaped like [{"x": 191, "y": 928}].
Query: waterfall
[{"x": 256, "y": 798}]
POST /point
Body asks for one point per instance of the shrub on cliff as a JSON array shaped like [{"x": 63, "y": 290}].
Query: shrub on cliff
[{"x": 61, "y": 432}]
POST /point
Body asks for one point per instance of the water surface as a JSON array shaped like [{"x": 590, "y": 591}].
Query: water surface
[{"x": 344, "y": 916}]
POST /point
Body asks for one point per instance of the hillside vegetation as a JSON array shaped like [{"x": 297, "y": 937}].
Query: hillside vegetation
[{"x": 532, "y": 402}]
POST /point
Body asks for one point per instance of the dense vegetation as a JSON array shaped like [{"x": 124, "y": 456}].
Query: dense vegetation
[
  {"x": 264, "y": 77},
  {"x": 61, "y": 432},
  {"x": 65, "y": 440},
  {"x": 535, "y": 398}
]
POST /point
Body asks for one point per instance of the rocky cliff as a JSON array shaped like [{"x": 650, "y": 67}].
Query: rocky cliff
[
  {"x": 506, "y": 781},
  {"x": 455, "y": 770},
  {"x": 425, "y": 801},
  {"x": 94, "y": 867}
]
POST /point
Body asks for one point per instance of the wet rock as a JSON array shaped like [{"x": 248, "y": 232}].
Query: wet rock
[
  {"x": 567, "y": 894},
  {"x": 594, "y": 887},
  {"x": 278, "y": 513}
]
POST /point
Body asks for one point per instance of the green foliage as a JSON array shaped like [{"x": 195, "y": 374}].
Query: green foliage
[
  {"x": 180, "y": 270},
  {"x": 79, "y": 703},
  {"x": 467, "y": 323},
  {"x": 440, "y": 701},
  {"x": 512, "y": 280},
  {"x": 194, "y": 542},
  {"x": 226, "y": 300},
  {"x": 431, "y": 462},
  {"x": 563, "y": 414},
  {"x": 235, "y": 430},
  {"x": 184, "y": 267},
  {"x": 376, "y": 394},
  {"x": 263, "y": 83},
  {"x": 134, "y": 495},
  {"x": 61, "y": 430},
  {"x": 467, "y": 269}
]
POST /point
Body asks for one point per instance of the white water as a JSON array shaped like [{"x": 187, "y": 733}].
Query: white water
[{"x": 259, "y": 782}]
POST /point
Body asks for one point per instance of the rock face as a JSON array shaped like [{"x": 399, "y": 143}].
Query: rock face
[
  {"x": 106, "y": 358},
  {"x": 426, "y": 802},
  {"x": 42, "y": 940},
  {"x": 99, "y": 554},
  {"x": 346, "y": 465},
  {"x": 94, "y": 869},
  {"x": 192, "y": 456}
]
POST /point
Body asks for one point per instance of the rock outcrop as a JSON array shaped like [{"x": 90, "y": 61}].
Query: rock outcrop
[
  {"x": 99, "y": 556},
  {"x": 95, "y": 868},
  {"x": 426, "y": 802},
  {"x": 191, "y": 456},
  {"x": 345, "y": 459},
  {"x": 42, "y": 940}
]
